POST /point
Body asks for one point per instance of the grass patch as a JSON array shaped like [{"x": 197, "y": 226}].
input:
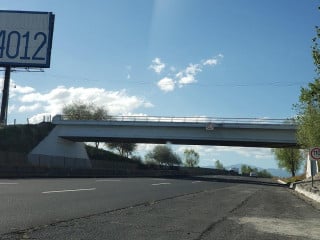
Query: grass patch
[{"x": 23, "y": 138}]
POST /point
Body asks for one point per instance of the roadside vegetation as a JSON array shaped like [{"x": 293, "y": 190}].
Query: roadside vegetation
[
  {"x": 308, "y": 107},
  {"x": 246, "y": 170},
  {"x": 218, "y": 165},
  {"x": 294, "y": 179},
  {"x": 124, "y": 149},
  {"x": 290, "y": 159},
  {"x": 102, "y": 154},
  {"x": 23, "y": 138},
  {"x": 163, "y": 155},
  {"x": 191, "y": 158},
  {"x": 308, "y": 117}
]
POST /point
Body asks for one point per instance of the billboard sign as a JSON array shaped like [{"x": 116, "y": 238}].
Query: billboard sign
[{"x": 25, "y": 38}]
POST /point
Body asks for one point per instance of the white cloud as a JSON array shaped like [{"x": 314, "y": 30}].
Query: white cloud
[
  {"x": 21, "y": 89},
  {"x": 252, "y": 152},
  {"x": 157, "y": 65},
  {"x": 187, "y": 76},
  {"x": 52, "y": 102},
  {"x": 183, "y": 77},
  {"x": 193, "y": 69},
  {"x": 11, "y": 108},
  {"x": 144, "y": 148},
  {"x": 40, "y": 118},
  {"x": 166, "y": 84},
  {"x": 29, "y": 108},
  {"x": 187, "y": 80},
  {"x": 214, "y": 152},
  {"x": 210, "y": 62},
  {"x": 213, "y": 61},
  {"x": 16, "y": 89}
]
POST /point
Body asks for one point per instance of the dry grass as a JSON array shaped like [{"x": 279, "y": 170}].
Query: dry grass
[{"x": 294, "y": 179}]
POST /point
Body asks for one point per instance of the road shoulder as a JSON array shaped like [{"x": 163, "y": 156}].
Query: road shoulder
[{"x": 305, "y": 188}]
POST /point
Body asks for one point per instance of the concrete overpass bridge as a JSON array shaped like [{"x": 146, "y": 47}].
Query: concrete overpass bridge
[{"x": 66, "y": 139}]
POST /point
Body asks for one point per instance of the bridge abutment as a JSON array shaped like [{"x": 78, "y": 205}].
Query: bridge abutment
[{"x": 56, "y": 152}]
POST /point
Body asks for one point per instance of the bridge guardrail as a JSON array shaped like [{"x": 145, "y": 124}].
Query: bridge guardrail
[{"x": 200, "y": 119}]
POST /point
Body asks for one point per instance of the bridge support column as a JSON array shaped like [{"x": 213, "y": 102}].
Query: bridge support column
[{"x": 57, "y": 152}]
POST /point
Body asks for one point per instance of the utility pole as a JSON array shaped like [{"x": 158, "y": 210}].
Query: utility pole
[{"x": 5, "y": 97}]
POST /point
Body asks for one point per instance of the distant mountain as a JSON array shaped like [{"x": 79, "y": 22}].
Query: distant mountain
[
  {"x": 276, "y": 172},
  {"x": 239, "y": 166}
]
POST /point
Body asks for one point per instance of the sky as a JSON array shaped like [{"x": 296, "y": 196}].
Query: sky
[{"x": 182, "y": 58}]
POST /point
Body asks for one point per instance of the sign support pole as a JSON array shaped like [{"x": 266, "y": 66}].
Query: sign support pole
[
  {"x": 5, "y": 97},
  {"x": 312, "y": 174}
]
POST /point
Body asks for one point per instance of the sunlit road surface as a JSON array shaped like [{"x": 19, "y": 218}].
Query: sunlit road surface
[{"x": 212, "y": 207}]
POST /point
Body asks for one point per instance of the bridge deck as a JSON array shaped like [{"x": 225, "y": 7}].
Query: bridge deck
[{"x": 192, "y": 131}]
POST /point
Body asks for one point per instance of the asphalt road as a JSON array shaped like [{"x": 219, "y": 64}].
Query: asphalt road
[
  {"x": 216, "y": 207},
  {"x": 31, "y": 202}
]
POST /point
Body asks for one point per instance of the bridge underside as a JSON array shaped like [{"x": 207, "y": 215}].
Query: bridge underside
[{"x": 241, "y": 143}]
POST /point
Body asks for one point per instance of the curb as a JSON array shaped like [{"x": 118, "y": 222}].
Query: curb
[
  {"x": 308, "y": 194},
  {"x": 281, "y": 182}
]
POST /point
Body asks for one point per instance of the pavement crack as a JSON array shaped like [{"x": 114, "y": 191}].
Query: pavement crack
[{"x": 214, "y": 224}]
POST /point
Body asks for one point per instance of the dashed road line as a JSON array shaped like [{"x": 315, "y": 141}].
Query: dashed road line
[
  {"x": 196, "y": 182},
  {"x": 8, "y": 183},
  {"x": 108, "y": 180},
  {"x": 158, "y": 184},
  {"x": 69, "y": 190}
]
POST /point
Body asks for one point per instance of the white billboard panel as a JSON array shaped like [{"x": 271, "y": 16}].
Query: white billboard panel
[{"x": 25, "y": 38}]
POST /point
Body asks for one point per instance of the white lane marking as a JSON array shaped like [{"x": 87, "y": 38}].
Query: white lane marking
[
  {"x": 70, "y": 190},
  {"x": 108, "y": 180},
  {"x": 157, "y": 184},
  {"x": 8, "y": 183},
  {"x": 196, "y": 182}
]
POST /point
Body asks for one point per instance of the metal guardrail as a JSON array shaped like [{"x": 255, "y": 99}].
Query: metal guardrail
[{"x": 182, "y": 119}]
